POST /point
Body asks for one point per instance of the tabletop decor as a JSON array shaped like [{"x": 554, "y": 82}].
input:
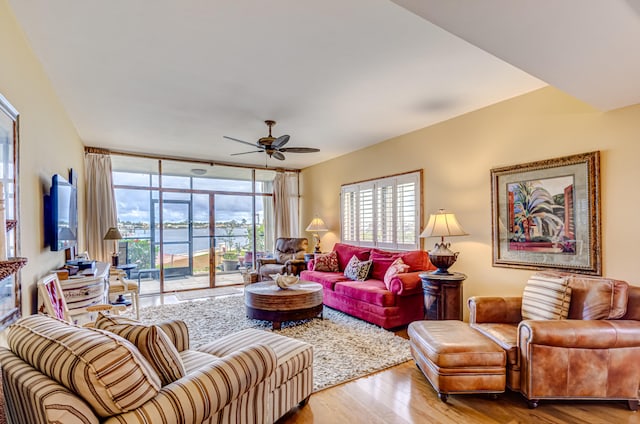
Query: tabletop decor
[{"x": 546, "y": 214}]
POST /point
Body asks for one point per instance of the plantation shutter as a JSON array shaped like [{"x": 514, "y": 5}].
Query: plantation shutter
[{"x": 383, "y": 213}]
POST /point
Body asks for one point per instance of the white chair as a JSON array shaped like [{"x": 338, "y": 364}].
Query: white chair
[{"x": 120, "y": 285}]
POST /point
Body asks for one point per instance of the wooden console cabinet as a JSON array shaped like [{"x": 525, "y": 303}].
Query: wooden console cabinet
[{"x": 442, "y": 295}]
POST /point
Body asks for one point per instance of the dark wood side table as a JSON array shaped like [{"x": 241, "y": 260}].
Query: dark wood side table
[{"x": 442, "y": 295}]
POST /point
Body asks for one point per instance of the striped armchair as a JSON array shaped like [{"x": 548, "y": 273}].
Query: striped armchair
[{"x": 125, "y": 372}]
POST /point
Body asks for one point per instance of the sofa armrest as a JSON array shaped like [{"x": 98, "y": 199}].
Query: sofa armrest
[
  {"x": 405, "y": 283},
  {"x": 582, "y": 334},
  {"x": 485, "y": 309},
  {"x": 265, "y": 261},
  {"x": 210, "y": 388},
  {"x": 311, "y": 264}
]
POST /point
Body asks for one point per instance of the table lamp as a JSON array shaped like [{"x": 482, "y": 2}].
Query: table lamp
[
  {"x": 443, "y": 225},
  {"x": 114, "y": 234},
  {"x": 317, "y": 225}
]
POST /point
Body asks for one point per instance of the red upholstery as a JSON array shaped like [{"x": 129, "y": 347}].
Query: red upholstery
[{"x": 370, "y": 300}]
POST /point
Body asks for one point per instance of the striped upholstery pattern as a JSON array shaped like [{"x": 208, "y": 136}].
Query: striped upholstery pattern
[
  {"x": 154, "y": 345},
  {"x": 192, "y": 360},
  {"x": 293, "y": 379},
  {"x": 176, "y": 330},
  {"x": 34, "y": 398},
  {"x": 546, "y": 297},
  {"x": 233, "y": 389},
  {"x": 104, "y": 370}
]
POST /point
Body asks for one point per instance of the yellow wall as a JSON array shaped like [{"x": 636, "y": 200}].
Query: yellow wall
[
  {"x": 457, "y": 156},
  {"x": 49, "y": 144}
]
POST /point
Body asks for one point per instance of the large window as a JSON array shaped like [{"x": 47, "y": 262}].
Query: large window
[
  {"x": 202, "y": 225},
  {"x": 383, "y": 213}
]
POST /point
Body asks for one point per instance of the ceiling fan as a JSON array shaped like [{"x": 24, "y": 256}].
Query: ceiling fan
[{"x": 273, "y": 146}]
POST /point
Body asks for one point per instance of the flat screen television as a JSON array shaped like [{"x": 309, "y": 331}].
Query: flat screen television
[{"x": 62, "y": 214}]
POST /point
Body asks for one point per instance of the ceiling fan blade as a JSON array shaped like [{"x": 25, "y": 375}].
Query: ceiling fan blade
[
  {"x": 300, "y": 150},
  {"x": 240, "y": 141},
  {"x": 245, "y": 153},
  {"x": 278, "y": 155},
  {"x": 280, "y": 141}
]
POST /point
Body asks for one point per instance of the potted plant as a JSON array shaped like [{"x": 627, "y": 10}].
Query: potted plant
[{"x": 229, "y": 261}]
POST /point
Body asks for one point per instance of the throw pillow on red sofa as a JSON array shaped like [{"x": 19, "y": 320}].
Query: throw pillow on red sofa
[{"x": 346, "y": 251}]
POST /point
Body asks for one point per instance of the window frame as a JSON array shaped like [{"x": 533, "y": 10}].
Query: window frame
[{"x": 351, "y": 203}]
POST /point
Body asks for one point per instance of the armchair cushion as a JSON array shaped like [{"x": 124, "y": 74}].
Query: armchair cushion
[
  {"x": 152, "y": 342},
  {"x": 546, "y": 297},
  {"x": 597, "y": 298}
]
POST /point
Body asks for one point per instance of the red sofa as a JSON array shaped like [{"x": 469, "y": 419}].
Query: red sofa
[{"x": 370, "y": 300}]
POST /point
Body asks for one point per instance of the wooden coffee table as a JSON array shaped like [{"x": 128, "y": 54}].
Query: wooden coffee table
[{"x": 268, "y": 302}]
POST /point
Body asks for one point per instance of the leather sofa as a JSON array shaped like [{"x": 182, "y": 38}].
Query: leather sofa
[
  {"x": 371, "y": 300},
  {"x": 288, "y": 258},
  {"x": 125, "y": 372},
  {"x": 594, "y": 354}
]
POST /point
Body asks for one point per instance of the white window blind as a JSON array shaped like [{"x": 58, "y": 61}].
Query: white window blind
[{"x": 383, "y": 213}]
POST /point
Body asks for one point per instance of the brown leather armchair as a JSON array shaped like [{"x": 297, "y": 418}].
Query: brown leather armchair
[
  {"x": 288, "y": 258},
  {"x": 572, "y": 358}
]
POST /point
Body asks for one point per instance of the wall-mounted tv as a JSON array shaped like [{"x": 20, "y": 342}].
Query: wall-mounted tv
[{"x": 61, "y": 214}]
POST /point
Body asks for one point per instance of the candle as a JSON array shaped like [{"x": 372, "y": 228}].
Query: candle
[{"x": 3, "y": 227}]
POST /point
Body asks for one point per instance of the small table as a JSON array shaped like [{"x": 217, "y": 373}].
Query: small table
[
  {"x": 442, "y": 295},
  {"x": 266, "y": 301},
  {"x": 127, "y": 268}
]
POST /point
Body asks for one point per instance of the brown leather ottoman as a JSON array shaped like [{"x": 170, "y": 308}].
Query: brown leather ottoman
[{"x": 455, "y": 358}]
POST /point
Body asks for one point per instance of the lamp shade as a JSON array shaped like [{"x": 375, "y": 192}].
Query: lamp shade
[
  {"x": 113, "y": 234},
  {"x": 443, "y": 225},
  {"x": 317, "y": 225}
]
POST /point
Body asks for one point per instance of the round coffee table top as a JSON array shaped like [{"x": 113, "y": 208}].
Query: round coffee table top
[{"x": 267, "y": 296}]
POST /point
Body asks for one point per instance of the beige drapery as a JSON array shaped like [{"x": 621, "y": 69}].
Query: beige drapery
[
  {"x": 285, "y": 204},
  {"x": 101, "y": 212}
]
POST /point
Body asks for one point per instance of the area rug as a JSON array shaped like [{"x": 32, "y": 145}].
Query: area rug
[
  {"x": 344, "y": 348},
  {"x": 199, "y": 294}
]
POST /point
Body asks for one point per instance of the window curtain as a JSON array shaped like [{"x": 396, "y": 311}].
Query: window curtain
[
  {"x": 285, "y": 204},
  {"x": 101, "y": 212}
]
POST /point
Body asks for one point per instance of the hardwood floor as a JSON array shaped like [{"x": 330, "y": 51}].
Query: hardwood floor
[{"x": 403, "y": 395}]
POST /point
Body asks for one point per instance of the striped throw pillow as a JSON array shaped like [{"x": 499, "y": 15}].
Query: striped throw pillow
[
  {"x": 546, "y": 297},
  {"x": 105, "y": 370},
  {"x": 152, "y": 343}
]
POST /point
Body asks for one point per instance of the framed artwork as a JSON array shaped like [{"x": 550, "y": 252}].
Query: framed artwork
[{"x": 546, "y": 214}]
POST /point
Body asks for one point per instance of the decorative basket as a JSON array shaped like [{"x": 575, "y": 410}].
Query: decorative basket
[
  {"x": 11, "y": 266},
  {"x": 250, "y": 277}
]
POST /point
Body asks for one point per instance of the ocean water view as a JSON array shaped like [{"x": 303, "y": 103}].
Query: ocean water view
[{"x": 177, "y": 239}]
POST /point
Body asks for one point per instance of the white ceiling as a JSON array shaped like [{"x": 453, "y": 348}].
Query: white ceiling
[{"x": 171, "y": 78}]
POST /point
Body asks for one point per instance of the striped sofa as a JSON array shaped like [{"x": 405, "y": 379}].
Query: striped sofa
[{"x": 122, "y": 371}]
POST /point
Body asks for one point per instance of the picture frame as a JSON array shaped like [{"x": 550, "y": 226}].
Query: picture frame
[{"x": 546, "y": 215}]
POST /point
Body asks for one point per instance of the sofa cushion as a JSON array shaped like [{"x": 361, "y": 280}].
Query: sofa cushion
[
  {"x": 369, "y": 291},
  {"x": 326, "y": 262},
  {"x": 152, "y": 342},
  {"x": 397, "y": 267},
  {"x": 418, "y": 260},
  {"x": 104, "y": 369},
  {"x": 505, "y": 335},
  {"x": 346, "y": 251},
  {"x": 597, "y": 298},
  {"x": 327, "y": 279},
  {"x": 357, "y": 270},
  {"x": 546, "y": 297},
  {"x": 381, "y": 262}
]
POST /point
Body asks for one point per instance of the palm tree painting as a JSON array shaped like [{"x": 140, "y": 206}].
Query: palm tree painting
[{"x": 541, "y": 215}]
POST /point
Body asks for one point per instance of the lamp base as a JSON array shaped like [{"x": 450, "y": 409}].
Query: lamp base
[
  {"x": 442, "y": 257},
  {"x": 114, "y": 260}
]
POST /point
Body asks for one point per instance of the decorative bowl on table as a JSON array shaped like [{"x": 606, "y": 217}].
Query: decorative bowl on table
[{"x": 284, "y": 281}]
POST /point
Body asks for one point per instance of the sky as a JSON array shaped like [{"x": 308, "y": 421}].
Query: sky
[{"x": 134, "y": 205}]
